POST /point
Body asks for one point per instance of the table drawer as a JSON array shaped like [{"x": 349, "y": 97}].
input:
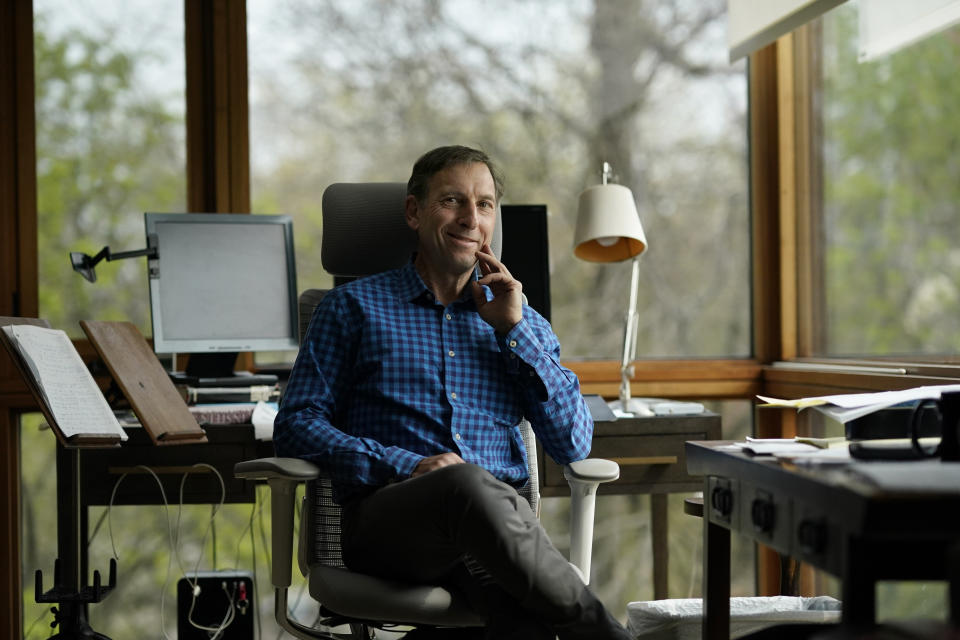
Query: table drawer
[
  {"x": 650, "y": 460},
  {"x": 651, "y": 453}
]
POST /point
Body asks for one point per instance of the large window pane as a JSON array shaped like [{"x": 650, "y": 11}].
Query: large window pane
[
  {"x": 891, "y": 129},
  {"x": 355, "y": 91},
  {"x": 110, "y": 145}
]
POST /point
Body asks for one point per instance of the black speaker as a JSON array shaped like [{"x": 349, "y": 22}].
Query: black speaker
[{"x": 209, "y": 600}]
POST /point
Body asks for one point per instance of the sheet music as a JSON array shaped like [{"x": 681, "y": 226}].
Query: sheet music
[{"x": 71, "y": 394}]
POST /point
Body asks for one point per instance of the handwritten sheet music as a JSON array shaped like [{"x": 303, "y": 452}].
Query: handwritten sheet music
[{"x": 71, "y": 394}]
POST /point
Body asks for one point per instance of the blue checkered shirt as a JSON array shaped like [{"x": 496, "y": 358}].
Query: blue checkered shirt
[{"x": 387, "y": 376}]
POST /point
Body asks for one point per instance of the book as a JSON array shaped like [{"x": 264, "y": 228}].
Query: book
[
  {"x": 205, "y": 395},
  {"x": 224, "y": 413},
  {"x": 69, "y": 396}
]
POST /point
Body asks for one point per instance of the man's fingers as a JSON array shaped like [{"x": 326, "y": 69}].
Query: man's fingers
[{"x": 490, "y": 264}]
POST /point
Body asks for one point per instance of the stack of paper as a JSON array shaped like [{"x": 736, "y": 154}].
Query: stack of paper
[{"x": 850, "y": 406}]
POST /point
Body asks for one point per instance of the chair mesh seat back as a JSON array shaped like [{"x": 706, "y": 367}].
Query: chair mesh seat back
[
  {"x": 323, "y": 524},
  {"x": 322, "y": 529}
]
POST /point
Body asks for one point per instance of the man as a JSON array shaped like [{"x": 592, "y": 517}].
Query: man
[{"x": 408, "y": 390}]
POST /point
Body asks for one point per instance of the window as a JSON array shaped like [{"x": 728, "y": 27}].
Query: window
[
  {"x": 355, "y": 91},
  {"x": 891, "y": 262},
  {"x": 110, "y": 146}
]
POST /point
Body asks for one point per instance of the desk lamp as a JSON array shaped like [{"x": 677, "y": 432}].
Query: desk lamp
[{"x": 609, "y": 230}]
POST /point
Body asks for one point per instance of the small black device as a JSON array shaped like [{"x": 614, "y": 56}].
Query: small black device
[
  {"x": 209, "y": 602},
  {"x": 526, "y": 251}
]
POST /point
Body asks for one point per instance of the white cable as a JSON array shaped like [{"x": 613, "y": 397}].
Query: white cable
[
  {"x": 113, "y": 546},
  {"x": 223, "y": 497},
  {"x": 195, "y": 586},
  {"x": 227, "y": 617}
]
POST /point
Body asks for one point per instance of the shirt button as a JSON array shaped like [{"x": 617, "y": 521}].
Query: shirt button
[
  {"x": 450, "y": 353},
  {"x": 513, "y": 344},
  {"x": 453, "y": 395},
  {"x": 449, "y": 317},
  {"x": 457, "y": 436}
]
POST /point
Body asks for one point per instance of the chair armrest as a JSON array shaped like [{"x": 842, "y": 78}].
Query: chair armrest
[
  {"x": 592, "y": 470},
  {"x": 276, "y": 468},
  {"x": 584, "y": 476},
  {"x": 283, "y": 475}
]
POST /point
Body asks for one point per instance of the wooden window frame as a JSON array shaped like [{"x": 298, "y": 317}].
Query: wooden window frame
[{"x": 786, "y": 271}]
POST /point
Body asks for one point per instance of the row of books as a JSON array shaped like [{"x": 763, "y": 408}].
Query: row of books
[{"x": 206, "y": 395}]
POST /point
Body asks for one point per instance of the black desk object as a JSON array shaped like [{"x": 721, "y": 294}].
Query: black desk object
[{"x": 828, "y": 519}]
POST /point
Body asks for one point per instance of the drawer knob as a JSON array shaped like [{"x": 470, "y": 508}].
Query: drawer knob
[
  {"x": 812, "y": 536},
  {"x": 722, "y": 500},
  {"x": 764, "y": 514}
]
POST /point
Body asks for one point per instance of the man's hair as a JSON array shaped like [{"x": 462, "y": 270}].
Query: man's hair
[{"x": 438, "y": 159}]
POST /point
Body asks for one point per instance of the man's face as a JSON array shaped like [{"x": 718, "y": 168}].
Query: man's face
[{"x": 456, "y": 218}]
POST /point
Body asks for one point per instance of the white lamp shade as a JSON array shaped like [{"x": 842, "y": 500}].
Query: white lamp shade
[{"x": 608, "y": 225}]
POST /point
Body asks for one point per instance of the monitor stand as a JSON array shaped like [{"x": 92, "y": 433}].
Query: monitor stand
[{"x": 216, "y": 370}]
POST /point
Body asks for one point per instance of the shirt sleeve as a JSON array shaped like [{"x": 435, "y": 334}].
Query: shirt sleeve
[
  {"x": 552, "y": 400},
  {"x": 304, "y": 426}
]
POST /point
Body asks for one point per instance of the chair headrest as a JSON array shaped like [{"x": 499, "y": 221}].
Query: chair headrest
[{"x": 365, "y": 231}]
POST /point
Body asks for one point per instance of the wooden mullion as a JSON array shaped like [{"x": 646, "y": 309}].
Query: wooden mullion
[
  {"x": 18, "y": 275},
  {"x": 764, "y": 203},
  {"x": 808, "y": 176},
  {"x": 218, "y": 173}
]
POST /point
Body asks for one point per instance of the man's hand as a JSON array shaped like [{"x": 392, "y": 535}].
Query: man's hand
[
  {"x": 506, "y": 308},
  {"x": 436, "y": 462}
]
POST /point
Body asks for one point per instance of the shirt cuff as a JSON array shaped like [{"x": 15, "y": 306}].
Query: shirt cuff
[
  {"x": 403, "y": 461},
  {"x": 520, "y": 344}
]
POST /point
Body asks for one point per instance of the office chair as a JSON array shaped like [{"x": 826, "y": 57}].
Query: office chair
[{"x": 364, "y": 232}]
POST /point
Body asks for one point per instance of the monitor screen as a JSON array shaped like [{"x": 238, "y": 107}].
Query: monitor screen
[{"x": 222, "y": 283}]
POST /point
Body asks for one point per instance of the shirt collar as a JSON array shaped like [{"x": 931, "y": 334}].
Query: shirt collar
[{"x": 411, "y": 286}]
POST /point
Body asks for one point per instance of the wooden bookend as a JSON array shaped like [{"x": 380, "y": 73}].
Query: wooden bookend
[{"x": 144, "y": 382}]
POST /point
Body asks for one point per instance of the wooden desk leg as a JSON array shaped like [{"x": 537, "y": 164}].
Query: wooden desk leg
[
  {"x": 716, "y": 580},
  {"x": 661, "y": 551}
]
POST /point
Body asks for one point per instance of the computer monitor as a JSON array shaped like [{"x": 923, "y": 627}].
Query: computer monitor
[{"x": 221, "y": 284}]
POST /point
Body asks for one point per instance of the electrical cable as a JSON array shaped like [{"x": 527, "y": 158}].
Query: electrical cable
[
  {"x": 255, "y": 509},
  {"x": 253, "y": 559},
  {"x": 203, "y": 541},
  {"x": 195, "y": 584},
  {"x": 213, "y": 538},
  {"x": 113, "y": 546}
]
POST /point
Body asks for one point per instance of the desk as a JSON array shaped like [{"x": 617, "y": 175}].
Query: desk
[
  {"x": 847, "y": 527},
  {"x": 650, "y": 452},
  {"x": 99, "y": 469}
]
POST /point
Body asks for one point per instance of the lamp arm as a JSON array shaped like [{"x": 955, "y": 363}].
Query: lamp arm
[
  {"x": 84, "y": 264},
  {"x": 629, "y": 337}
]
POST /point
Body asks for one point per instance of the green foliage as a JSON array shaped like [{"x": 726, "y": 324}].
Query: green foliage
[
  {"x": 107, "y": 150},
  {"x": 549, "y": 92},
  {"x": 891, "y": 136}
]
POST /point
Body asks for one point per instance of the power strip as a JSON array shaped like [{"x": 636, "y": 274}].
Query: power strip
[{"x": 215, "y": 599}]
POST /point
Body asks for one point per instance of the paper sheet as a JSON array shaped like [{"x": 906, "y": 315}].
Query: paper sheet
[
  {"x": 263, "y": 417},
  {"x": 71, "y": 394},
  {"x": 849, "y": 406}
]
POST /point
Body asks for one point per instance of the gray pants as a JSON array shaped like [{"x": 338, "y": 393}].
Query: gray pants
[{"x": 420, "y": 530}]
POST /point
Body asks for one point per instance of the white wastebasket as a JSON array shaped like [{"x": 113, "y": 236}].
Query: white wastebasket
[{"x": 680, "y": 619}]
